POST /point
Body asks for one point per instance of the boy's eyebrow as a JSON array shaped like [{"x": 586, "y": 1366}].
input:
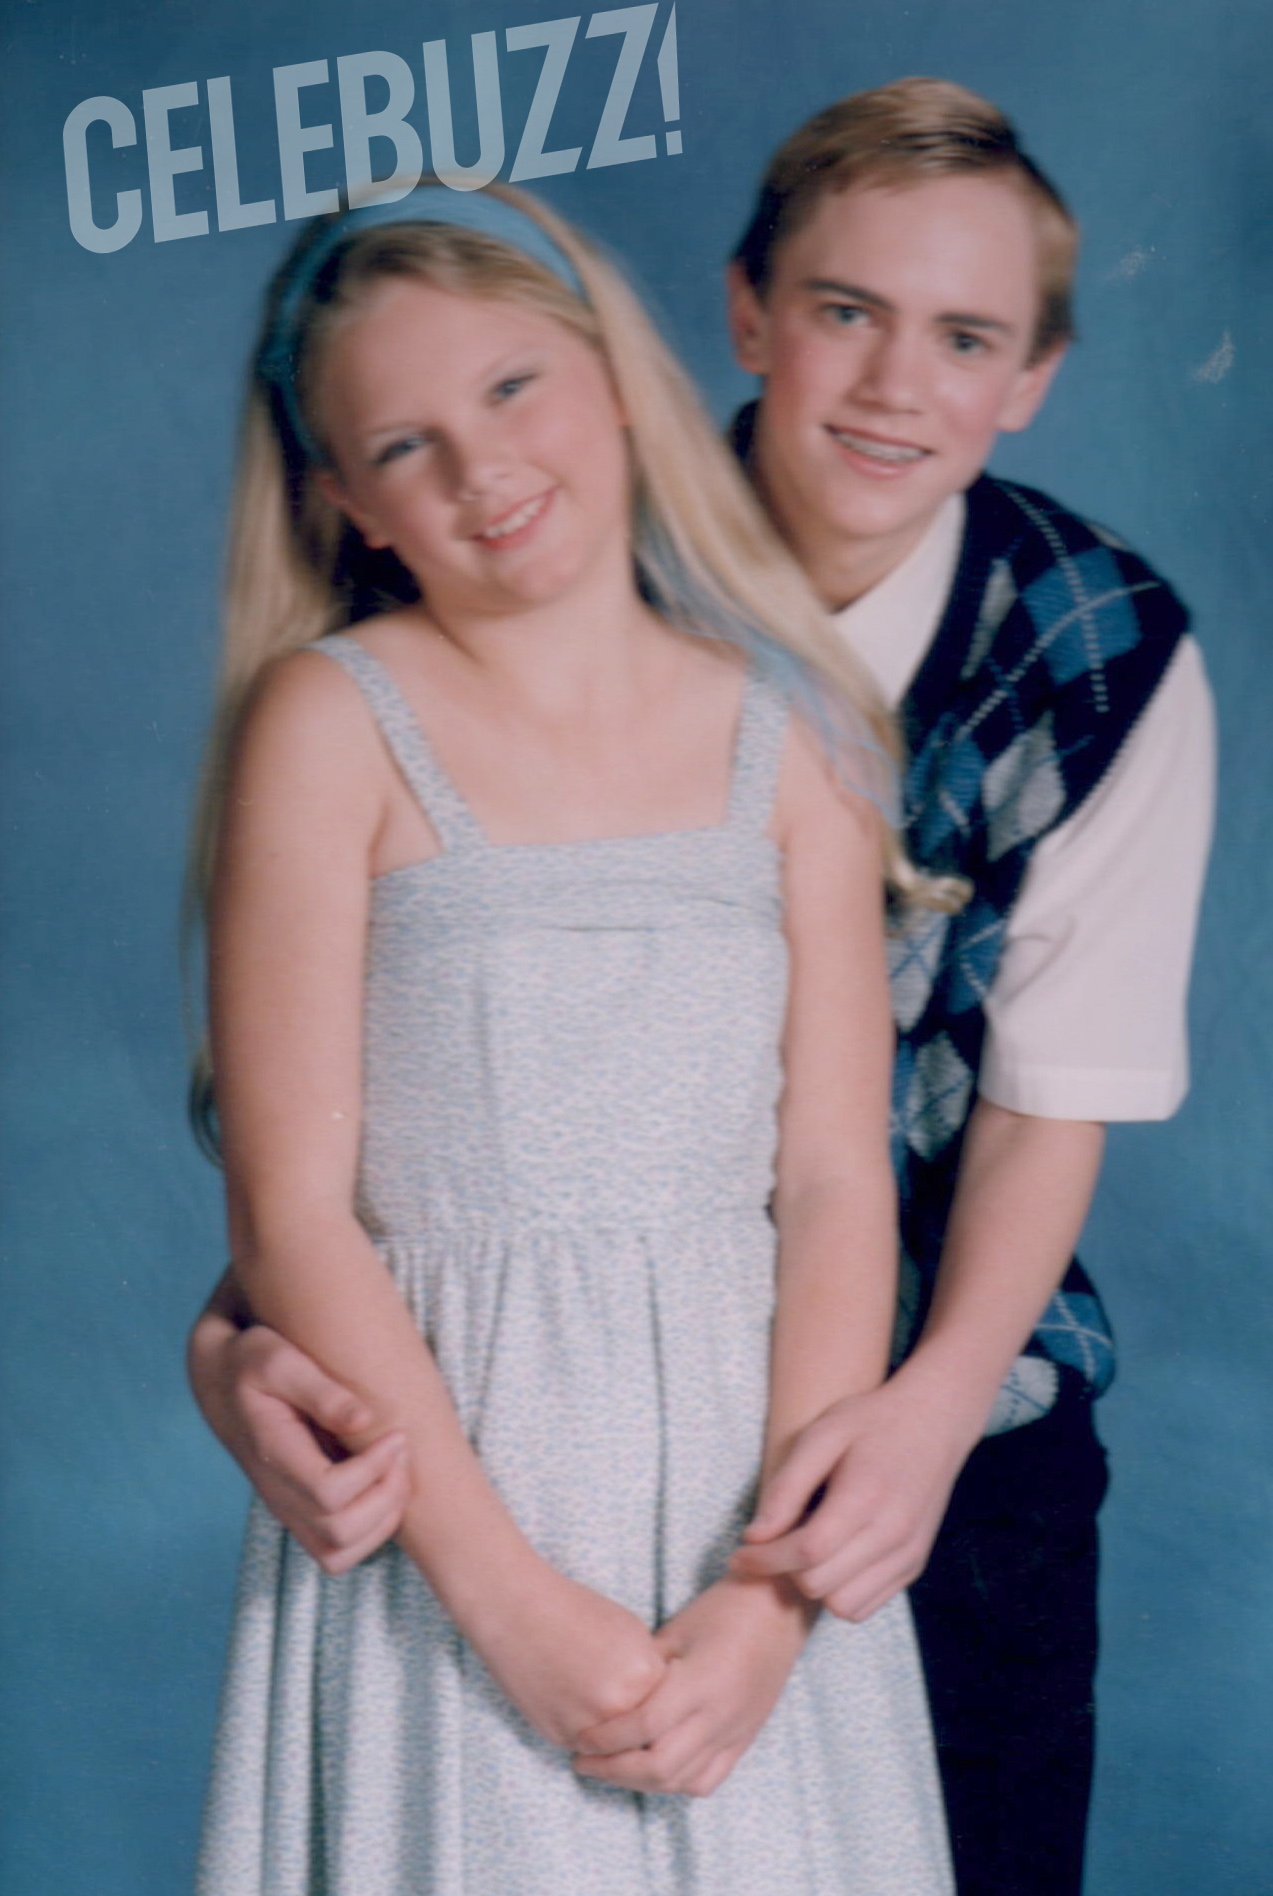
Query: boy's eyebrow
[
  {"x": 960, "y": 321},
  {"x": 836, "y": 286},
  {"x": 857, "y": 293}
]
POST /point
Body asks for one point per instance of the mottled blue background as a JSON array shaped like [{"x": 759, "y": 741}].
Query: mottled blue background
[{"x": 120, "y": 382}]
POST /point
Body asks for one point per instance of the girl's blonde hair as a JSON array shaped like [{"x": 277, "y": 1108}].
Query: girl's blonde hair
[{"x": 706, "y": 555}]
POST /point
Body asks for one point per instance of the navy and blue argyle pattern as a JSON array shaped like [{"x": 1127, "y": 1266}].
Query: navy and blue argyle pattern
[{"x": 1054, "y": 639}]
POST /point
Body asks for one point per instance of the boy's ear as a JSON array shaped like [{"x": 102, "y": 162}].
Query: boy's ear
[
  {"x": 1029, "y": 391},
  {"x": 748, "y": 322},
  {"x": 333, "y": 493}
]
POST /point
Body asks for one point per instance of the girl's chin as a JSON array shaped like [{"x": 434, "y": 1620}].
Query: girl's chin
[{"x": 525, "y": 587}]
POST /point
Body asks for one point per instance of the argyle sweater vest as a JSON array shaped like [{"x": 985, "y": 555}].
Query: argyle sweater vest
[{"x": 1054, "y": 639}]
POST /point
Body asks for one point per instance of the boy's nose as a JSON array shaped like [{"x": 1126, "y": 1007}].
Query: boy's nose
[{"x": 891, "y": 374}]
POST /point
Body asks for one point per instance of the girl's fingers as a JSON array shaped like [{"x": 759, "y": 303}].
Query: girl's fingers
[
  {"x": 645, "y": 1725},
  {"x": 632, "y": 1732},
  {"x": 713, "y": 1772},
  {"x": 666, "y": 1766}
]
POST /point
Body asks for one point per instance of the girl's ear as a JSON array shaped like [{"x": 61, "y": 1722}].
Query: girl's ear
[
  {"x": 329, "y": 486},
  {"x": 622, "y": 416}
]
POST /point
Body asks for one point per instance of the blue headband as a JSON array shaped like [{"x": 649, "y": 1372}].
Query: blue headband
[{"x": 428, "y": 204}]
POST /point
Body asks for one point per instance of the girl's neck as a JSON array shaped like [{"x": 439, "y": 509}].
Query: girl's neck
[{"x": 578, "y": 654}]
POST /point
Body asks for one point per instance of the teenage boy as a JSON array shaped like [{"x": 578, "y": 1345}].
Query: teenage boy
[{"x": 903, "y": 291}]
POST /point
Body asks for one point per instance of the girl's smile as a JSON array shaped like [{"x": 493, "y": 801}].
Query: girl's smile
[
  {"x": 515, "y": 526},
  {"x": 482, "y": 441}
]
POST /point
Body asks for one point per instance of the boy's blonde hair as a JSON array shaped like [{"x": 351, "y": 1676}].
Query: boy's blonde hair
[{"x": 902, "y": 134}]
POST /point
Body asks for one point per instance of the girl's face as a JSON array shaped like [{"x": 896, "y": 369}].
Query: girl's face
[{"x": 481, "y": 440}]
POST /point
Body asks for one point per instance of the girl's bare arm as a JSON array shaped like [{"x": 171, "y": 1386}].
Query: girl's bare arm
[
  {"x": 835, "y": 1204},
  {"x": 736, "y": 1643}
]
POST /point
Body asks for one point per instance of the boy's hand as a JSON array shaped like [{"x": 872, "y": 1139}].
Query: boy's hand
[
  {"x": 280, "y": 1416},
  {"x": 565, "y": 1655},
  {"x": 729, "y": 1654},
  {"x": 885, "y": 1465}
]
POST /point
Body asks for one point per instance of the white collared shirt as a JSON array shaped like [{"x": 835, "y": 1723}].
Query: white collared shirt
[{"x": 1086, "y": 1015}]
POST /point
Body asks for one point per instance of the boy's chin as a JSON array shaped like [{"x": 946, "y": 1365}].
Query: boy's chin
[{"x": 890, "y": 515}]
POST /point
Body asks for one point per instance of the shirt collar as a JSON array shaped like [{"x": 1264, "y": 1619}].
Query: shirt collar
[{"x": 891, "y": 626}]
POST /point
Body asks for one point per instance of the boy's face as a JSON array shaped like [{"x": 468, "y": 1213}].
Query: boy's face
[{"x": 894, "y": 339}]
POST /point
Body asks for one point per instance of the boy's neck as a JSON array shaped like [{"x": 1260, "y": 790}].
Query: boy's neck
[{"x": 843, "y": 570}]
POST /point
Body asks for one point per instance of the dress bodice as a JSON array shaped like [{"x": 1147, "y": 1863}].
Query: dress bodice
[{"x": 578, "y": 1033}]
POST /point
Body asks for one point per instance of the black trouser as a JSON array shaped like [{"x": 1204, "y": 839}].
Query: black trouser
[{"x": 1006, "y": 1617}]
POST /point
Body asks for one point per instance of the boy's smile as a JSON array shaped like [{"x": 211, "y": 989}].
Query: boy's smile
[{"x": 894, "y": 338}]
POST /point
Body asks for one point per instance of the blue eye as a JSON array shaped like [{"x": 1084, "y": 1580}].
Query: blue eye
[
  {"x": 843, "y": 315},
  {"x": 965, "y": 342},
  {"x": 395, "y": 450},
  {"x": 510, "y": 385}
]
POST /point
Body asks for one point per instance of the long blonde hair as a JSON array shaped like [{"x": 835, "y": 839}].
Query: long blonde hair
[{"x": 705, "y": 553}]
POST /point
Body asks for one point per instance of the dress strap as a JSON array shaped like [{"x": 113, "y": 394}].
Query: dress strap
[
  {"x": 762, "y": 728},
  {"x": 453, "y": 822}
]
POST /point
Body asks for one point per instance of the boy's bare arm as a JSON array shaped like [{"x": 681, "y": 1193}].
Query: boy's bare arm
[
  {"x": 1023, "y": 1194},
  {"x": 281, "y": 1417},
  {"x": 890, "y": 1457}
]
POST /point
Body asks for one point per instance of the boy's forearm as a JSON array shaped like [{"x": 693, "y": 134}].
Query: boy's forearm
[
  {"x": 886, "y": 1460},
  {"x": 1024, "y": 1188}
]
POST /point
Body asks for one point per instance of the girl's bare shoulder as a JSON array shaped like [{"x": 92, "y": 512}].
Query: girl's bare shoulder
[
  {"x": 305, "y": 716},
  {"x": 817, "y": 800},
  {"x": 308, "y": 688}
]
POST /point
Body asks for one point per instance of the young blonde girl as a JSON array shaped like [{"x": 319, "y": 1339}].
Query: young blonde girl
[{"x": 545, "y": 951}]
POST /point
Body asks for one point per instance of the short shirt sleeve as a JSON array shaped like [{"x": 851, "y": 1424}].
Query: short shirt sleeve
[{"x": 1086, "y": 1014}]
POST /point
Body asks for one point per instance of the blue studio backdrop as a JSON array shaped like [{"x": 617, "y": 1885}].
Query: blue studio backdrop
[{"x": 140, "y": 230}]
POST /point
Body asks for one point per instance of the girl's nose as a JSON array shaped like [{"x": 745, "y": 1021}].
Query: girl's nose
[{"x": 476, "y": 461}]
